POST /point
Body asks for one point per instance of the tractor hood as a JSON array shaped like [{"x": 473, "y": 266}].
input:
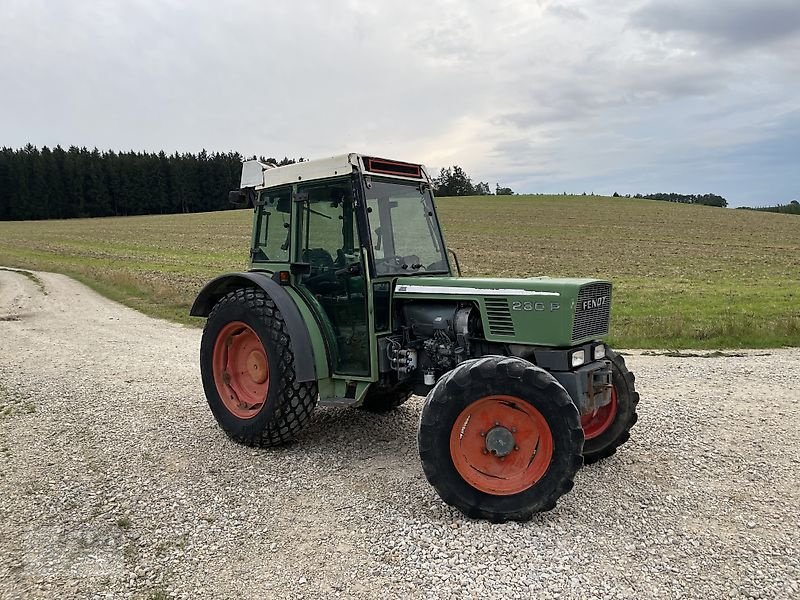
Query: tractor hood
[{"x": 545, "y": 311}]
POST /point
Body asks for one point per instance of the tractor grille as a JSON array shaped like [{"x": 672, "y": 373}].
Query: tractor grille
[
  {"x": 499, "y": 316},
  {"x": 592, "y": 311}
]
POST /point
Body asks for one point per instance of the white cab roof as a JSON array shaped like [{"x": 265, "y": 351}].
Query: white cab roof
[{"x": 258, "y": 175}]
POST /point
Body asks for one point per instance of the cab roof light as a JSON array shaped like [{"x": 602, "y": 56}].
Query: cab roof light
[{"x": 391, "y": 167}]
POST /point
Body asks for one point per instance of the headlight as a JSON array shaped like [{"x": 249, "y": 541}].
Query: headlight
[
  {"x": 599, "y": 351},
  {"x": 578, "y": 358}
]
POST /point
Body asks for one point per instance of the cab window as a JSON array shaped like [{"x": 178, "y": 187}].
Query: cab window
[{"x": 271, "y": 234}]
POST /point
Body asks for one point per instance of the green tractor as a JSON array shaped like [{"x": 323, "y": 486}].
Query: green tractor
[{"x": 352, "y": 299}]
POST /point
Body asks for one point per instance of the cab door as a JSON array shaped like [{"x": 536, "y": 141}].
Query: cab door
[{"x": 335, "y": 284}]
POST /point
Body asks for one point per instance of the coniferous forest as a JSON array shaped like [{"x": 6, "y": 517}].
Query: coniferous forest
[{"x": 77, "y": 182}]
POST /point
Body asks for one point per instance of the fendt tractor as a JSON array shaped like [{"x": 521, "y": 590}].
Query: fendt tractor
[{"x": 353, "y": 299}]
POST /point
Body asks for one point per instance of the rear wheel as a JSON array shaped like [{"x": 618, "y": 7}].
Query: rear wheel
[
  {"x": 500, "y": 439},
  {"x": 381, "y": 399},
  {"x": 247, "y": 367},
  {"x": 607, "y": 428}
]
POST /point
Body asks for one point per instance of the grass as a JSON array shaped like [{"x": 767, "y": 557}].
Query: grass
[{"x": 685, "y": 276}]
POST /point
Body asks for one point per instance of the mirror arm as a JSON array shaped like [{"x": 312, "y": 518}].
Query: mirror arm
[{"x": 455, "y": 256}]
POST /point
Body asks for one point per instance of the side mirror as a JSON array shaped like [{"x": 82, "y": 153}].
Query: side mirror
[{"x": 242, "y": 198}]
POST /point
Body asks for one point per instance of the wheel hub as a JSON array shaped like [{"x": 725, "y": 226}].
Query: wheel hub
[
  {"x": 241, "y": 370},
  {"x": 257, "y": 367},
  {"x": 501, "y": 445},
  {"x": 500, "y": 441}
]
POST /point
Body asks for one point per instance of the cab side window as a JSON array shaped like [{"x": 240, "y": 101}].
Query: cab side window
[{"x": 272, "y": 231}]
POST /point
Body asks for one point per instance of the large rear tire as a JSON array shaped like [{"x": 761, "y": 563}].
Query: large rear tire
[
  {"x": 247, "y": 367},
  {"x": 500, "y": 439},
  {"x": 609, "y": 427}
]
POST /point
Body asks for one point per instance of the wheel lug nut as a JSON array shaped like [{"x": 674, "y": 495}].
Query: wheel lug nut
[
  {"x": 483, "y": 434},
  {"x": 485, "y": 451},
  {"x": 497, "y": 423},
  {"x": 516, "y": 447},
  {"x": 502, "y": 458},
  {"x": 513, "y": 430}
]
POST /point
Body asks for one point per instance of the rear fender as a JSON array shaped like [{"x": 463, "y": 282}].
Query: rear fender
[{"x": 300, "y": 330}]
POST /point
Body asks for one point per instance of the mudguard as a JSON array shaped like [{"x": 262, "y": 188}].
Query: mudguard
[{"x": 303, "y": 351}]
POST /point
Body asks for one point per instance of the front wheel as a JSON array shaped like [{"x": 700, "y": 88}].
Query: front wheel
[
  {"x": 607, "y": 428},
  {"x": 500, "y": 439}
]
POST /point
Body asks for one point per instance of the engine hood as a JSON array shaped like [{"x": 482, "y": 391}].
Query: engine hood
[
  {"x": 545, "y": 311},
  {"x": 544, "y": 286}
]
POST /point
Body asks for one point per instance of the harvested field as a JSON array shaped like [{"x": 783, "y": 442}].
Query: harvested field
[{"x": 685, "y": 276}]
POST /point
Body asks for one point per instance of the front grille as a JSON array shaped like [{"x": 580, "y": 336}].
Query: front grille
[
  {"x": 499, "y": 316},
  {"x": 592, "y": 311}
]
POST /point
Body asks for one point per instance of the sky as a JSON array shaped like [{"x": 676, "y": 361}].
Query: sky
[{"x": 602, "y": 96}]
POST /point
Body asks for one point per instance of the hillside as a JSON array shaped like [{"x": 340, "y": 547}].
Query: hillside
[{"x": 685, "y": 276}]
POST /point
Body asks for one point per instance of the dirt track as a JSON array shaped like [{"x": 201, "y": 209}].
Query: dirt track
[{"x": 115, "y": 481}]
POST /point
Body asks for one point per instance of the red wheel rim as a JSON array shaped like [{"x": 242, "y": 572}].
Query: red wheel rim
[
  {"x": 511, "y": 420},
  {"x": 595, "y": 423},
  {"x": 241, "y": 370}
]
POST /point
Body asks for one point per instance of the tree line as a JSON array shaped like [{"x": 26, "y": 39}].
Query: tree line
[
  {"x": 78, "y": 182},
  {"x": 704, "y": 199},
  {"x": 793, "y": 208}
]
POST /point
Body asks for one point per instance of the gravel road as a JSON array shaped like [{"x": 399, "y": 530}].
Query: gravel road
[{"x": 116, "y": 482}]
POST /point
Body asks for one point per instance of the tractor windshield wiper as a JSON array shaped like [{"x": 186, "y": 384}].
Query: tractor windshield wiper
[
  {"x": 429, "y": 219},
  {"x": 316, "y": 212}
]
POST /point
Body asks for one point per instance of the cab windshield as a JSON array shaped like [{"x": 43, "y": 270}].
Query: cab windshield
[{"x": 405, "y": 234}]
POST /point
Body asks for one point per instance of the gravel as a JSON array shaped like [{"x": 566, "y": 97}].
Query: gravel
[{"x": 115, "y": 482}]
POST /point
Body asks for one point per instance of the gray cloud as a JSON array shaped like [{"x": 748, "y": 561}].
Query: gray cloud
[
  {"x": 736, "y": 23},
  {"x": 570, "y": 99},
  {"x": 565, "y": 11}
]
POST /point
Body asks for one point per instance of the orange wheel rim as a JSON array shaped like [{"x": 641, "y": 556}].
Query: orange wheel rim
[
  {"x": 598, "y": 421},
  {"x": 241, "y": 370},
  {"x": 501, "y": 445}
]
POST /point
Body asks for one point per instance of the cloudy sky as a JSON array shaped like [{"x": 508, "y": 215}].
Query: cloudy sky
[{"x": 689, "y": 96}]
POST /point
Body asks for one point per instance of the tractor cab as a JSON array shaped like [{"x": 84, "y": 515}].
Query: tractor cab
[{"x": 344, "y": 232}]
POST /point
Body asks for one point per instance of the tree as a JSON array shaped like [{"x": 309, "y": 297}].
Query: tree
[
  {"x": 711, "y": 200},
  {"x": 503, "y": 191},
  {"x": 453, "y": 181},
  {"x": 482, "y": 189}
]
